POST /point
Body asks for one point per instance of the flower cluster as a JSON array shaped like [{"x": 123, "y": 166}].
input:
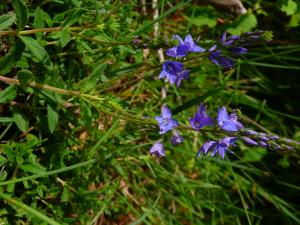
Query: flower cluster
[
  {"x": 227, "y": 125},
  {"x": 220, "y": 54}
]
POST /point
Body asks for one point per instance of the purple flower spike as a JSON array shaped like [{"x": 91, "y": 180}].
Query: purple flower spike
[
  {"x": 225, "y": 122},
  {"x": 166, "y": 122},
  {"x": 158, "y": 149},
  {"x": 184, "y": 47},
  {"x": 176, "y": 138},
  {"x": 249, "y": 141},
  {"x": 201, "y": 119}
]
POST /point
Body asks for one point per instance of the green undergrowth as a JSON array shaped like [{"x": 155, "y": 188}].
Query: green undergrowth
[{"x": 74, "y": 128}]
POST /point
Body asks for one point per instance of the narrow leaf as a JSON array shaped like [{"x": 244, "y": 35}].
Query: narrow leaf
[
  {"x": 8, "y": 94},
  {"x": 21, "y": 11},
  {"x": 12, "y": 57},
  {"x": 20, "y": 119},
  {"x": 37, "y": 51},
  {"x": 52, "y": 116},
  {"x": 7, "y": 20}
]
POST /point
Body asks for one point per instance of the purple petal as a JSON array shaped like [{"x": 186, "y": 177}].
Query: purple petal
[
  {"x": 182, "y": 50},
  {"x": 172, "y": 52},
  {"x": 178, "y": 38},
  {"x": 157, "y": 149},
  {"x": 250, "y": 132},
  {"x": 188, "y": 39},
  {"x": 263, "y": 144},
  {"x": 223, "y": 37},
  {"x": 222, "y": 115},
  {"x": 205, "y": 147},
  {"x": 196, "y": 48},
  {"x": 249, "y": 141},
  {"x": 165, "y": 112},
  {"x": 176, "y": 138},
  {"x": 228, "y": 141},
  {"x": 238, "y": 50},
  {"x": 159, "y": 119}
]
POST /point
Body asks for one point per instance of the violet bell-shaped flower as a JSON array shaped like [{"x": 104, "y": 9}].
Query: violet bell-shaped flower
[
  {"x": 173, "y": 72},
  {"x": 176, "y": 138},
  {"x": 158, "y": 149},
  {"x": 181, "y": 50},
  {"x": 201, "y": 118},
  {"x": 166, "y": 122},
  {"x": 226, "y": 122},
  {"x": 220, "y": 147}
]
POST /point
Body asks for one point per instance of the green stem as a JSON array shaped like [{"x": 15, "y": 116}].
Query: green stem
[
  {"x": 97, "y": 40},
  {"x": 27, "y": 209},
  {"x": 39, "y": 30},
  {"x": 44, "y": 174},
  {"x": 8, "y": 80}
]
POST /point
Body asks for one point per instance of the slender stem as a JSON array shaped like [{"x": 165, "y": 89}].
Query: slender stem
[
  {"x": 28, "y": 209},
  {"x": 8, "y": 80},
  {"x": 39, "y": 30},
  {"x": 97, "y": 40}
]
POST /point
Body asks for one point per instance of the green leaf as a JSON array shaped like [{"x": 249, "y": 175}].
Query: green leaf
[
  {"x": 52, "y": 116},
  {"x": 21, "y": 11},
  {"x": 32, "y": 168},
  {"x": 7, "y": 20},
  {"x": 8, "y": 94},
  {"x": 6, "y": 119},
  {"x": 287, "y": 6},
  {"x": 12, "y": 57},
  {"x": 91, "y": 81},
  {"x": 203, "y": 16},
  {"x": 37, "y": 51},
  {"x": 73, "y": 18},
  {"x": 255, "y": 154},
  {"x": 86, "y": 114},
  {"x": 243, "y": 24},
  {"x": 20, "y": 119},
  {"x": 65, "y": 37}
]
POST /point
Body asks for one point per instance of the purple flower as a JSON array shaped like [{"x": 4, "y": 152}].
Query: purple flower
[
  {"x": 226, "y": 122},
  {"x": 273, "y": 137},
  {"x": 166, "y": 122},
  {"x": 217, "y": 58},
  {"x": 238, "y": 50},
  {"x": 173, "y": 72},
  {"x": 158, "y": 149},
  {"x": 201, "y": 118},
  {"x": 249, "y": 141},
  {"x": 233, "y": 117},
  {"x": 176, "y": 138},
  {"x": 219, "y": 147},
  {"x": 228, "y": 44},
  {"x": 184, "y": 47},
  {"x": 250, "y": 132},
  {"x": 263, "y": 144}
]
